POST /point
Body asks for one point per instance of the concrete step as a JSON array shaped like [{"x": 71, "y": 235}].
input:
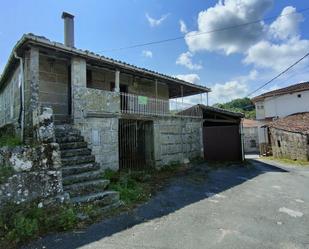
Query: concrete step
[
  {"x": 73, "y": 145},
  {"x": 85, "y": 188},
  {"x": 103, "y": 198},
  {"x": 75, "y": 152},
  {"x": 76, "y": 160},
  {"x": 69, "y": 139},
  {"x": 82, "y": 177},
  {"x": 81, "y": 168}
]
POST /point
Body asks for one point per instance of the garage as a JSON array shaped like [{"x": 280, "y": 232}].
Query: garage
[{"x": 222, "y": 139}]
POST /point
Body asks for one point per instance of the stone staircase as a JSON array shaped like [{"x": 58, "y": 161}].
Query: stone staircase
[{"x": 82, "y": 177}]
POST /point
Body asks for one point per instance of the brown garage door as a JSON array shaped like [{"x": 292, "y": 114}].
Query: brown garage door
[{"x": 222, "y": 143}]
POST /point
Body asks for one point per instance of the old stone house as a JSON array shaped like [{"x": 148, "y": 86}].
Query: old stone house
[
  {"x": 104, "y": 99},
  {"x": 289, "y": 137},
  {"x": 277, "y": 104},
  {"x": 106, "y": 113}
]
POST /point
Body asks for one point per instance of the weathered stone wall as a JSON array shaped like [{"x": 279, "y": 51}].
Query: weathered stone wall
[
  {"x": 94, "y": 115},
  {"x": 102, "y": 137},
  {"x": 289, "y": 145},
  {"x": 53, "y": 85},
  {"x": 37, "y": 169},
  {"x": 37, "y": 173},
  {"x": 177, "y": 139},
  {"x": 10, "y": 100},
  {"x": 251, "y": 139}
]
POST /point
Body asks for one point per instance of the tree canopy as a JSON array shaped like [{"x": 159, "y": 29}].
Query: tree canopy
[{"x": 243, "y": 105}]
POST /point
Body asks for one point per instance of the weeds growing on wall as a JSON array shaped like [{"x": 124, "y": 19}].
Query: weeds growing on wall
[{"x": 10, "y": 141}]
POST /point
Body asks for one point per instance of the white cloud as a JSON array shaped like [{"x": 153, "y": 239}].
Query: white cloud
[
  {"x": 155, "y": 22},
  {"x": 183, "y": 26},
  {"x": 277, "y": 56},
  {"x": 287, "y": 25},
  {"x": 185, "y": 59},
  {"x": 192, "y": 78},
  {"x": 227, "y": 13},
  {"x": 228, "y": 91},
  {"x": 147, "y": 53}
]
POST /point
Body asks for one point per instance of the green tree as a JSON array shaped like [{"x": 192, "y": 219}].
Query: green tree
[{"x": 243, "y": 105}]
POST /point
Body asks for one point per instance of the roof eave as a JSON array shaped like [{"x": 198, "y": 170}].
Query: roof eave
[{"x": 85, "y": 54}]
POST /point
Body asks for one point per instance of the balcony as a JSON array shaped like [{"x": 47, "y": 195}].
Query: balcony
[
  {"x": 143, "y": 105},
  {"x": 94, "y": 103}
]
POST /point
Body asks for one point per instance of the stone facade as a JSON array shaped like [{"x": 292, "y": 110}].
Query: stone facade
[
  {"x": 289, "y": 145},
  {"x": 177, "y": 139},
  {"x": 37, "y": 169}
]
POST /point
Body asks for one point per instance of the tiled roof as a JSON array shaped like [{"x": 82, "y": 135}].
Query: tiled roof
[
  {"x": 250, "y": 123},
  {"x": 298, "y": 122},
  {"x": 43, "y": 41},
  {"x": 286, "y": 90}
]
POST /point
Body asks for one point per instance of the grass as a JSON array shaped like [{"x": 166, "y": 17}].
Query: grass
[
  {"x": 5, "y": 173},
  {"x": 22, "y": 223},
  {"x": 10, "y": 141},
  {"x": 288, "y": 161},
  {"x": 135, "y": 187}
]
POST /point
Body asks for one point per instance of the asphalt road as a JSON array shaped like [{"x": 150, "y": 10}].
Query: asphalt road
[{"x": 261, "y": 206}]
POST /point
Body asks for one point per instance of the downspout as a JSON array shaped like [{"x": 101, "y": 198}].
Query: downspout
[{"x": 22, "y": 96}]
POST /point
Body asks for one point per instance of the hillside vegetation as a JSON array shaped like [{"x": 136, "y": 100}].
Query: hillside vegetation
[{"x": 243, "y": 105}]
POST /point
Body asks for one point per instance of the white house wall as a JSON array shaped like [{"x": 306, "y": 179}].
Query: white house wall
[{"x": 284, "y": 105}]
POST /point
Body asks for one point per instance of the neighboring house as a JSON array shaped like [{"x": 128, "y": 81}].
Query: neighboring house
[
  {"x": 251, "y": 137},
  {"x": 123, "y": 112},
  {"x": 277, "y": 104},
  {"x": 289, "y": 137}
]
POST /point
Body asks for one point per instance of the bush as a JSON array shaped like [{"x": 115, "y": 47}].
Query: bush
[
  {"x": 67, "y": 219},
  {"x": 20, "y": 223},
  {"x": 24, "y": 228}
]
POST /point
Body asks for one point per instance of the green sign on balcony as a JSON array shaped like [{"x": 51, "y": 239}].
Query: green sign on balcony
[{"x": 142, "y": 100}]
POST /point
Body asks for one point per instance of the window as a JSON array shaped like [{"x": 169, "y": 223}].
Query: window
[
  {"x": 298, "y": 95},
  {"x": 279, "y": 144}
]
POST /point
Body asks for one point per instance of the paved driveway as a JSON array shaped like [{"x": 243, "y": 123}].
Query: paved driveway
[{"x": 237, "y": 207}]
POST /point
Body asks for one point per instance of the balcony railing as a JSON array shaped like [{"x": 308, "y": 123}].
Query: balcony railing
[{"x": 142, "y": 105}]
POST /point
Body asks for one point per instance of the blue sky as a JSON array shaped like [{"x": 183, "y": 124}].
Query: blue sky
[{"x": 232, "y": 62}]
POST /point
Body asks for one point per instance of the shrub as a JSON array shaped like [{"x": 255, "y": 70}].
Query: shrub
[{"x": 24, "y": 228}]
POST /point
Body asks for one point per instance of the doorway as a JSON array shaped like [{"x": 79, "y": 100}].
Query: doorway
[{"x": 135, "y": 144}]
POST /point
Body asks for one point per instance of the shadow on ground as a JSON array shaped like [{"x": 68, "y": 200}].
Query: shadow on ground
[{"x": 198, "y": 183}]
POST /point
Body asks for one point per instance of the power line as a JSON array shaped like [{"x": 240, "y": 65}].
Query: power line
[
  {"x": 201, "y": 33},
  {"x": 278, "y": 75}
]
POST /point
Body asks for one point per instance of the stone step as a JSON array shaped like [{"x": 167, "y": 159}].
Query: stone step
[
  {"x": 69, "y": 139},
  {"x": 82, "y": 177},
  {"x": 77, "y": 169},
  {"x": 73, "y": 145},
  {"x": 85, "y": 188},
  {"x": 103, "y": 198},
  {"x": 112, "y": 206},
  {"x": 76, "y": 160},
  {"x": 75, "y": 152}
]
